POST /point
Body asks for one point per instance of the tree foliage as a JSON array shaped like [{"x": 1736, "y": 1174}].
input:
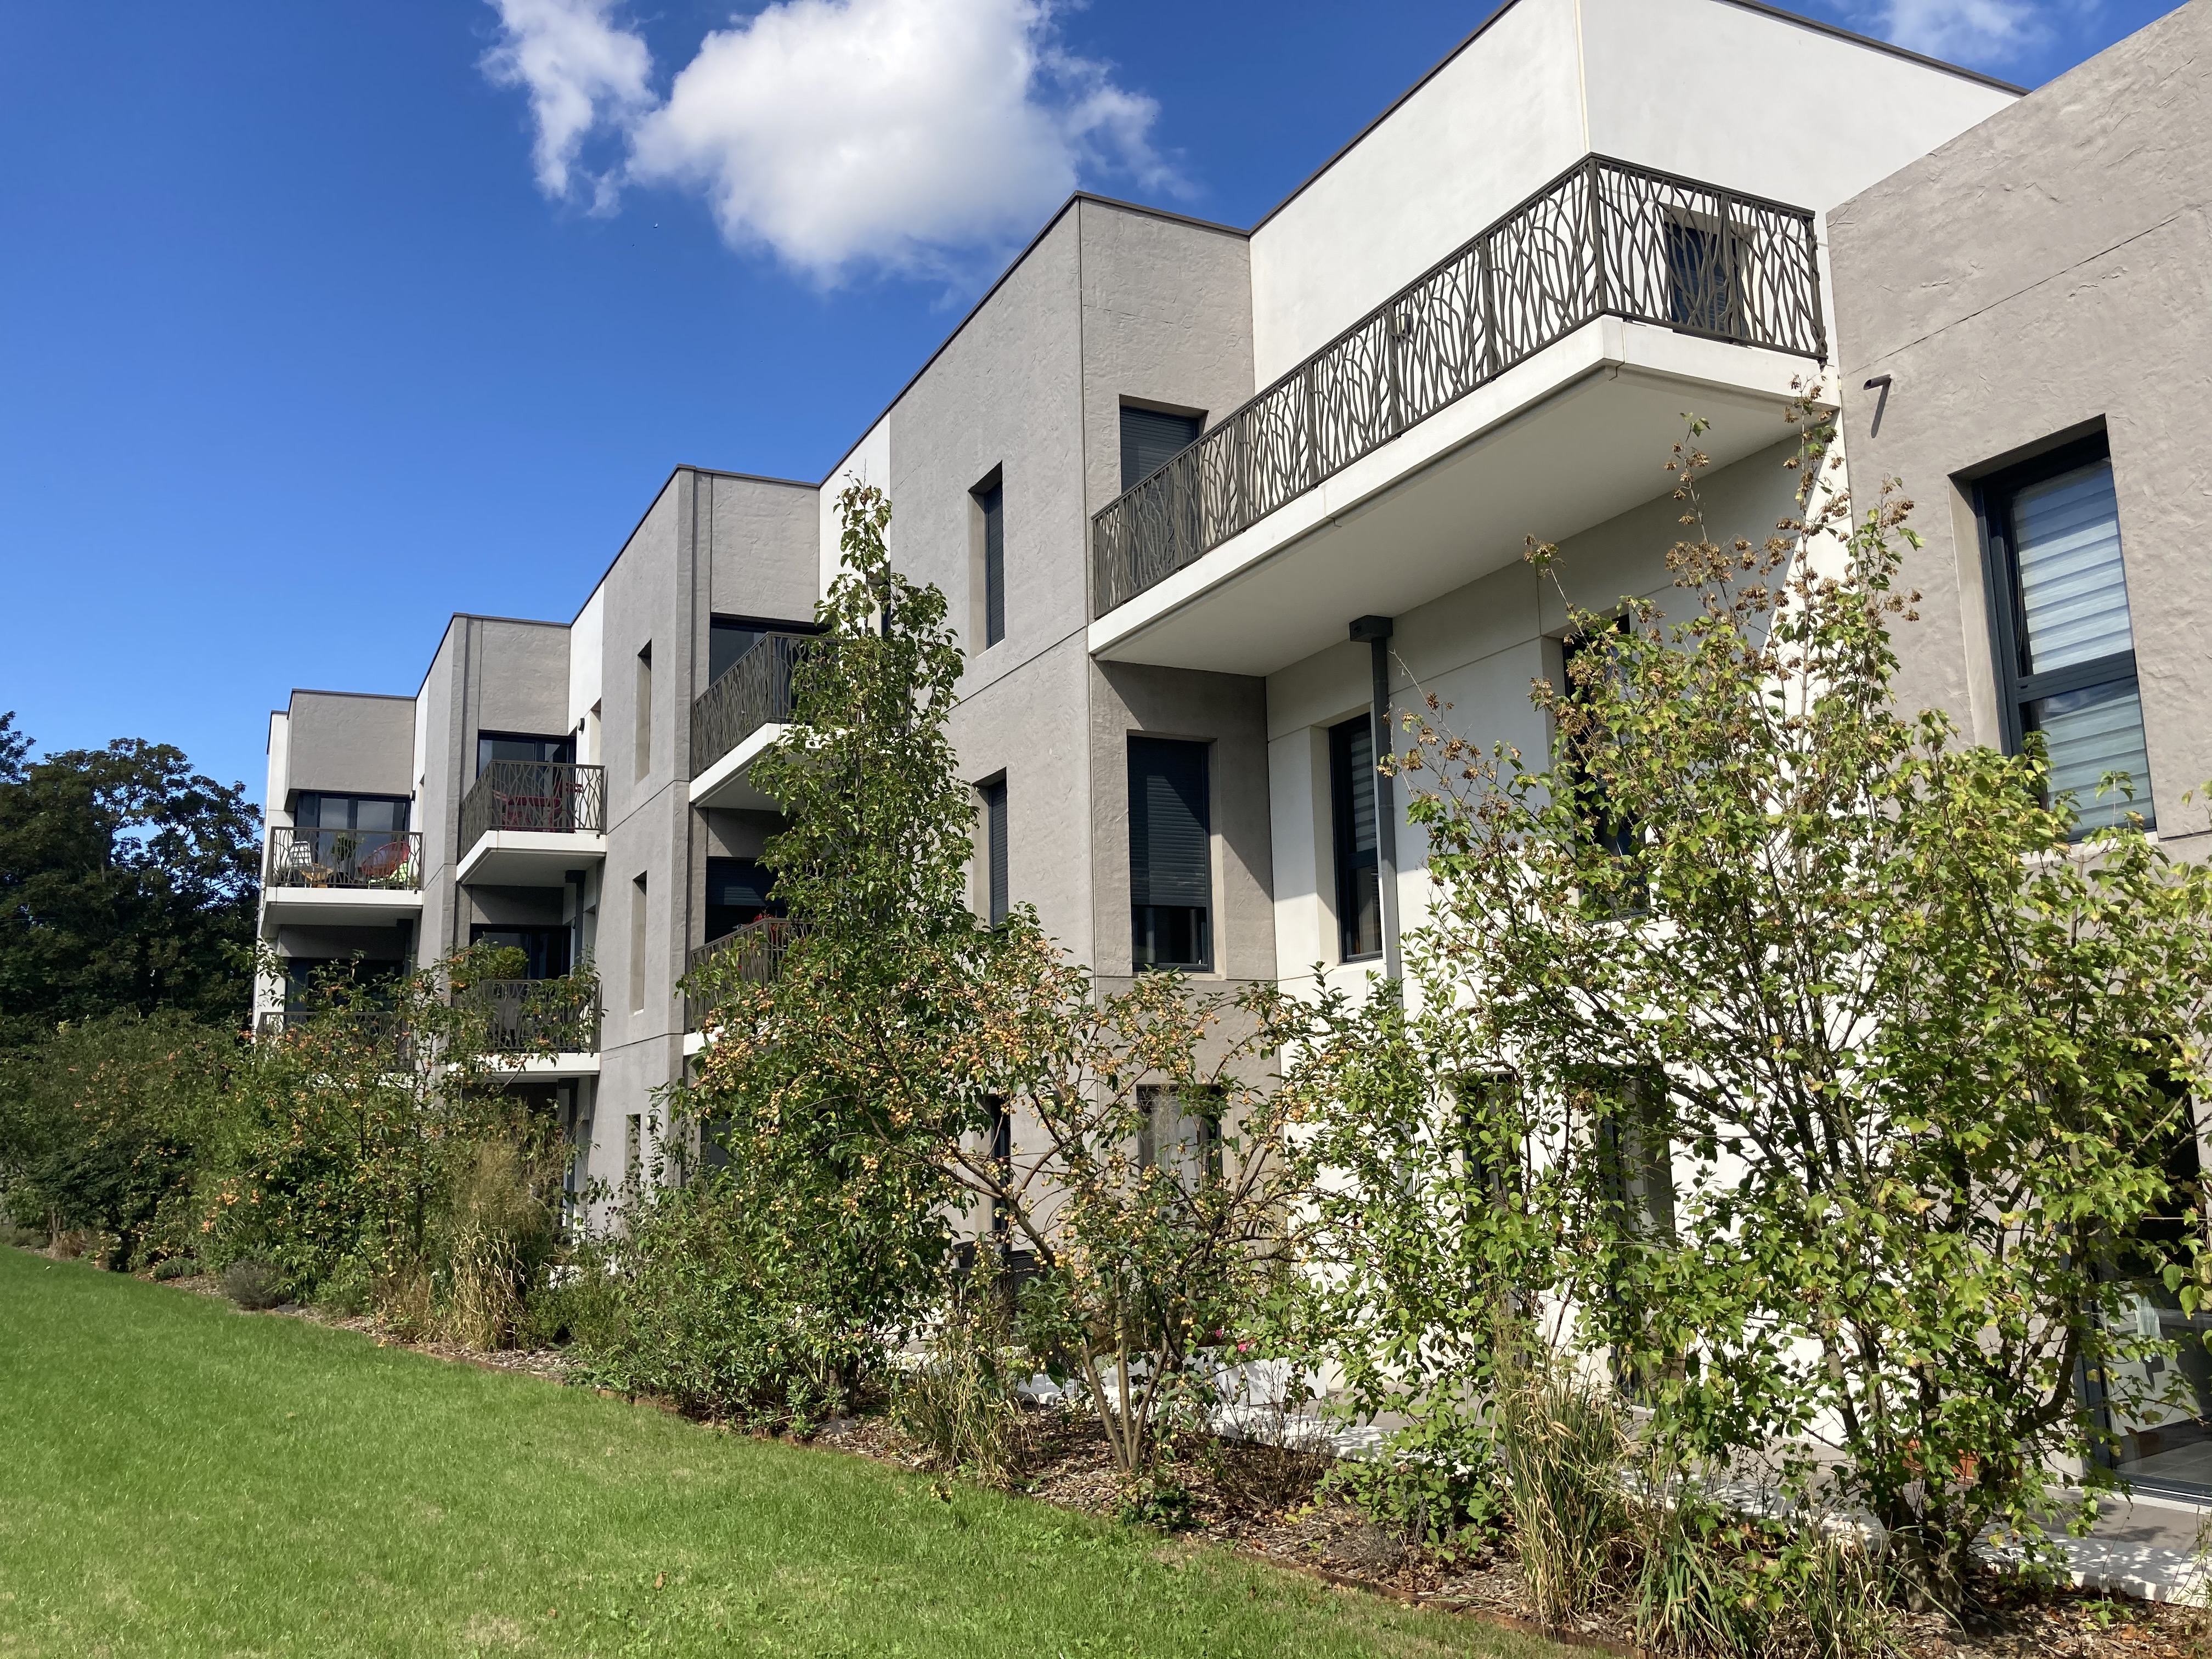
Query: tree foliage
[
  {"x": 1791, "y": 1053},
  {"x": 127, "y": 880}
]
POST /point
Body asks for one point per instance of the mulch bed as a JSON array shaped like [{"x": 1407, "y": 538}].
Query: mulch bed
[{"x": 1261, "y": 1501}]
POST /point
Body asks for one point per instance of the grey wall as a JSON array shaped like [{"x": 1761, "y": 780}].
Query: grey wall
[
  {"x": 350, "y": 743},
  {"x": 764, "y": 535},
  {"x": 2046, "y": 270}
]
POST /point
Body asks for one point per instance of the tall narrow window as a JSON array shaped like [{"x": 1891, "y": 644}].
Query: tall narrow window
[
  {"x": 1352, "y": 806},
  {"x": 2065, "y": 643},
  {"x": 644, "y": 745},
  {"x": 1170, "y": 855},
  {"x": 994, "y": 850},
  {"x": 637, "y": 952},
  {"x": 990, "y": 497},
  {"x": 1150, "y": 437},
  {"x": 1179, "y": 1130},
  {"x": 1002, "y": 1166},
  {"x": 1583, "y": 660},
  {"x": 1626, "y": 1110}
]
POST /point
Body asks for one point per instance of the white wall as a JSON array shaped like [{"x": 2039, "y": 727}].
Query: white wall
[
  {"x": 869, "y": 462},
  {"x": 277, "y": 801},
  {"x": 1486, "y": 130},
  {"x": 1711, "y": 90},
  {"x": 587, "y": 664}
]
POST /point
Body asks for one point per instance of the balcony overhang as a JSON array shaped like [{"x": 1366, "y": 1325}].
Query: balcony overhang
[
  {"x": 1574, "y": 436},
  {"x": 336, "y": 907},
  {"x": 726, "y": 783},
  {"x": 522, "y": 1067},
  {"x": 529, "y": 858}
]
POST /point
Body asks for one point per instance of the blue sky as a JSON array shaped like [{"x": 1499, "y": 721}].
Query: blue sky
[{"x": 320, "y": 322}]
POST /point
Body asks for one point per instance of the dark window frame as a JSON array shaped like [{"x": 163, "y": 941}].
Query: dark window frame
[
  {"x": 405, "y": 803},
  {"x": 990, "y": 499},
  {"x": 1343, "y": 810},
  {"x": 997, "y": 894},
  {"x": 549, "y": 934},
  {"x": 1189, "y": 425},
  {"x": 1148, "y": 925},
  {"x": 1995, "y": 495},
  {"x": 566, "y": 741}
]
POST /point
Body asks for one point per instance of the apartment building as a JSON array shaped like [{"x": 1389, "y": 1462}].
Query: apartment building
[
  {"x": 2024, "y": 325},
  {"x": 1204, "y": 498}
]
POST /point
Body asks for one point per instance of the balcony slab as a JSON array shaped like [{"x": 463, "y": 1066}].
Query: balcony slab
[
  {"x": 342, "y": 907},
  {"x": 529, "y": 858},
  {"x": 1577, "y": 435},
  {"x": 539, "y": 1065},
  {"x": 724, "y": 784}
]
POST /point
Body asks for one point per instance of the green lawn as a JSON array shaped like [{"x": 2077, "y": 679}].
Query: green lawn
[{"x": 177, "y": 1477}]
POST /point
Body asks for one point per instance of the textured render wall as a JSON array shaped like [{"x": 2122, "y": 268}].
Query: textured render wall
[
  {"x": 1030, "y": 725},
  {"x": 350, "y": 743},
  {"x": 1666, "y": 84},
  {"x": 2049, "y": 268},
  {"x": 764, "y": 536},
  {"x": 1167, "y": 318},
  {"x": 1478, "y": 649},
  {"x": 1228, "y": 711},
  {"x": 517, "y": 680}
]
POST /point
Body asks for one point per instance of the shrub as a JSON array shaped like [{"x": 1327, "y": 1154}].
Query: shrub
[
  {"x": 1565, "y": 1453},
  {"x": 175, "y": 1266},
  {"x": 958, "y": 1399},
  {"x": 255, "y": 1285}
]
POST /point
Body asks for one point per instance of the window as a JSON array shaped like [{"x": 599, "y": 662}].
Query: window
[
  {"x": 994, "y": 849},
  {"x": 1635, "y": 1168},
  {"x": 546, "y": 949},
  {"x": 637, "y": 945},
  {"x": 1581, "y": 658},
  {"x": 633, "y": 1151},
  {"x": 2065, "y": 645},
  {"x": 738, "y": 890},
  {"x": 1002, "y": 1164},
  {"x": 644, "y": 739},
  {"x": 1703, "y": 261},
  {"x": 990, "y": 498},
  {"x": 312, "y": 811},
  {"x": 1179, "y": 1130},
  {"x": 1151, "y": 439},
  {"x": 1351, "y": 808},
  {"x": 520, "y": 746},
  {"x": 728, "y": 640},
  {"x": 1170, "y": 855}
]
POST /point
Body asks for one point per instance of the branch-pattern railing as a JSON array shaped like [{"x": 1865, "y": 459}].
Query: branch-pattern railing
[
  {"x": 754, "y": 954},
  {"x": 547, "y": 795},
  {"x": 342, "y": 858},
  {"x": 752, "y": 692},
  {"x": 1603, "y": 238},
  {"x": 540, "y": 1016}
]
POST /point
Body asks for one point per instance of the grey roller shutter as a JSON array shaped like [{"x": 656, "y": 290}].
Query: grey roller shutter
[
  {"x": 1170, "y": 852},
  {"x": 1150, "y": 439}
]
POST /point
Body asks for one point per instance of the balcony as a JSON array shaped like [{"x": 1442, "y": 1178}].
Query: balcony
[
  {"x": 364, "y": 877},
  {"x": 543, "y": 1027},
  {"x": 527, "y": 824},
  {"x": 1532, "y": 383},
  {"x": 741, "y": 715},
  {"x": 754, "y": 953}
]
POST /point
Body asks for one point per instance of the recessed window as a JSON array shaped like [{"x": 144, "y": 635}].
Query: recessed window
[
  {"x": 315, "y": 811},
  {"x": 1170, "y": 854},
  {"x": 2065, "y": 642},
  {"x": 644, "y": 737},
  {"x": 1351, "y": 808},
  {"x": 1179, "y": 1131},
  {"x": 522, "y": 746},
  {"x": 1150, "y": 437},
  {"x": 544, "y": 949},
  {"x": 1581, "y": 658},
  {"x": 637, "y": 945},
  {"x": 738, "y": 891},
  {"x": 995, "y": 889},
  {"x": 990, "y": 499}
]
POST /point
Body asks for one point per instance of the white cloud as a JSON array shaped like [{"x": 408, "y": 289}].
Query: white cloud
[
  {"x": 580, "y": 70},
  {"x": 1965, "y": 29},
  {"x": 838, "y": 133}
]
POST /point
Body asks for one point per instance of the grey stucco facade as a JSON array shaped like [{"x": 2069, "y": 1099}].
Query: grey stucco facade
[{"x": 2043, "y": 277}]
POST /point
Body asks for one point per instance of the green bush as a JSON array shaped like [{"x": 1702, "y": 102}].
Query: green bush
[
  {"x": 958, "y": 1400},
  {"x": 255, "y": 1285},
  {"x": 175, "y": 1266}
]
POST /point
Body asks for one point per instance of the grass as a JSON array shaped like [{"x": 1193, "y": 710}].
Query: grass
[{"x": 177, "y": 1477}]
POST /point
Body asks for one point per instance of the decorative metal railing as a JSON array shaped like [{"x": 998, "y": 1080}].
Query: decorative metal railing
[
  {"x": 342, "y": 858},
  {"x": 754, "y": 953},
  {"x": 540, "y": 1016},
  {"x": 1603, "y": 238},
  {"x": 752, "y": 692},
  {"x": 546, "y": 795}
]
